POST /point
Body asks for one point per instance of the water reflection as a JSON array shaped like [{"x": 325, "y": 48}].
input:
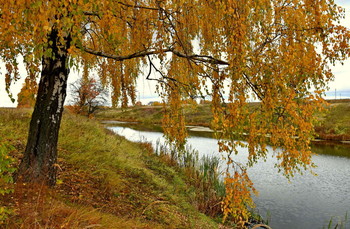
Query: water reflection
[
  {"x": 329, "y": 148},
  {"x": 307, "y": 201}
]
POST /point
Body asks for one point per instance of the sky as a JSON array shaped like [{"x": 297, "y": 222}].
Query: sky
[
  {"x": 339, "y": 88},
  {"x": 341, "y": 84}
]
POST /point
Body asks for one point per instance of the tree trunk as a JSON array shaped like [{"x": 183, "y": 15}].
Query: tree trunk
[{"x": 40, "y": 156}]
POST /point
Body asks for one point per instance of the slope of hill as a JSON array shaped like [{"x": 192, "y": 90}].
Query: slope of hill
[{"x": 104, "y": 181}]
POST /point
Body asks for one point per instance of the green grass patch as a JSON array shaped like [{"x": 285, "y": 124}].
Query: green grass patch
[
  {"x": 334, "y": 123},
  {"x": 195, "y": 114},
  {"x": 104, "y": 180}
]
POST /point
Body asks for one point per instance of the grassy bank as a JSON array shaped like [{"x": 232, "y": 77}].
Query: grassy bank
[
  {"x": 104, "y": 181},
  {"x": 334, "y": 122},
  {"x": 195, "y": 114}
]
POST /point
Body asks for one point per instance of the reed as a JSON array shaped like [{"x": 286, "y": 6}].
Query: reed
[{"x": 202, "y": 173}]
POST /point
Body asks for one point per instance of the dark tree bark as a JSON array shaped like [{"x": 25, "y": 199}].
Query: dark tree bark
[{"x": 40, "y": 156}]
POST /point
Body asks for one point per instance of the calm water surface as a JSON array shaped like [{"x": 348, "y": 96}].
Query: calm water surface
[{"x": 306, "y": 202}]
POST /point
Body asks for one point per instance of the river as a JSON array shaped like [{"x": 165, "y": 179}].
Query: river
[{"x": 305, "y": 202}]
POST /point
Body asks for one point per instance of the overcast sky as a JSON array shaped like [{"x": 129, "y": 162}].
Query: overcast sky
[
  {"x": 342, "y": 72},
  {"x": 340, "y": 87}
]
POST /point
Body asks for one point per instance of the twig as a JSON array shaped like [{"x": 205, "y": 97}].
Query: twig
[
  {"x": 153, "y": 203},
  {"x": 261, "y": 225},
  {"x": 93, "y": 225}
]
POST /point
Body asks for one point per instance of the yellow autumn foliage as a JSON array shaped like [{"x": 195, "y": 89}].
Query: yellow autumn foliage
[{"x": 274, "y": 51}]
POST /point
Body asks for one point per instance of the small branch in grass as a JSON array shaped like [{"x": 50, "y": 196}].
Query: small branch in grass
[
  {"x": 93, "y": 225},
  {"x": 261, "y": 225},
  {"x": 153, "y": 203}
]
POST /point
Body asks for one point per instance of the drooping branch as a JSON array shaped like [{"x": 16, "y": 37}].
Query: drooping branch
[
  {"x": 91, "y": 13},
  {"x": 201, "y": 58},
  {"x": 174, "y": 28},
  {"x": 137, "y": 6},
  {"x": 127, "y": 57},
  {"x": 143, "y": 53},
  {"x": 254, "y": 87},
  {"x": 152, "y": 66},
  {"x": 146, "y": 52},
  {"x": 98, "y": 15},
  {"x": 164, "y": 77}
]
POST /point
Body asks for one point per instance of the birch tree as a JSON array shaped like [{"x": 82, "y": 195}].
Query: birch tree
[{"x": 274, "y": 51}]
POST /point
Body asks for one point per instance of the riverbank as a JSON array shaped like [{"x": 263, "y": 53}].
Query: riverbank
[
  {"x": 312, "y": 200},
  {"x": 104, "y": 181},
  {"x": 333, "y": 124}
]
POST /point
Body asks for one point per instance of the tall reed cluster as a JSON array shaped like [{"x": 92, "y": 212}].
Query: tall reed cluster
[{"x": 203, "y": 174}]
